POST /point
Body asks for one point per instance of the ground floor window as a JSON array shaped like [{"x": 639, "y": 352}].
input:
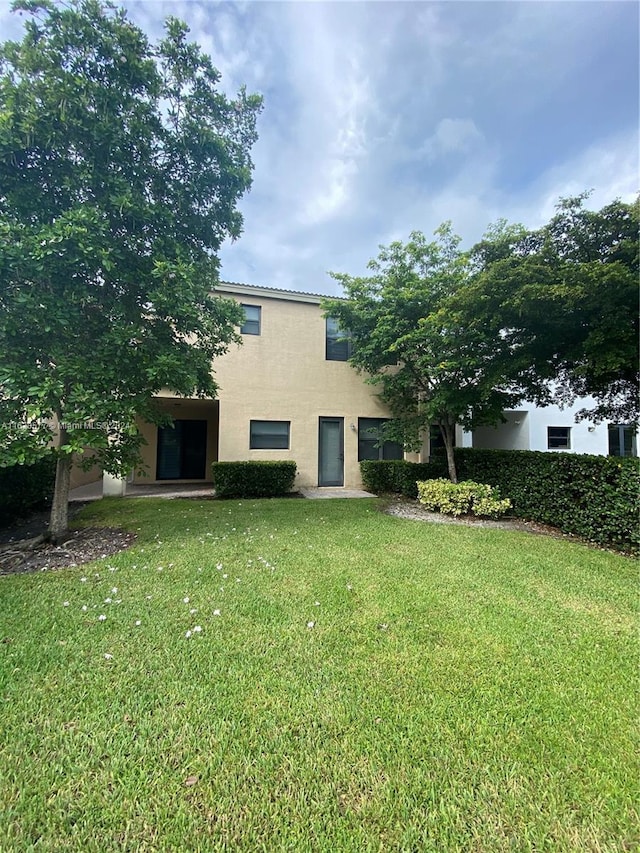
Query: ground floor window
[
  {"x": 622, "y": 440},
  {"x": 558, "y": 438},
  {"x": 182, "y": 451},
  {"x": 370, "y": 445},
  {"x": 436, "y": 441},
  {"x": 269, "y": 435}
]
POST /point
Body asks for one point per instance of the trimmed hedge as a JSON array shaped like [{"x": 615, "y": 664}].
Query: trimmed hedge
[
  {"x": 595, "y": 497},
  {"x": 26, "y": 488},
  {"x": 253, "y": 479},
  {"x": 399, "y": 476}
]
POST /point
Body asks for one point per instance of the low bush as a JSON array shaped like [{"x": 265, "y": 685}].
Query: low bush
[
  {"x": 595, "y": 497},
  {"x": 26, "y": 488},
  {"x": 462, "y": 498},
  {"x": 398, "y": 476},
  {"x": 253, "y": 479}
]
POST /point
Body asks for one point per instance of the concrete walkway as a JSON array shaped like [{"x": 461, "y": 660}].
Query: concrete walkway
[
  {"x": 325, "y": 492},
  {"x": 93, "y": 491}
]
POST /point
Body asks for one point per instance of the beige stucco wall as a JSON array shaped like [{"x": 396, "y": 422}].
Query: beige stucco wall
[
  {"x": 79, "y": 477},
  {"x": 282, "y": 374}
]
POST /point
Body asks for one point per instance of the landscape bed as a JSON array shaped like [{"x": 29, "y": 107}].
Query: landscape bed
[{"x": 317, "y": 675}]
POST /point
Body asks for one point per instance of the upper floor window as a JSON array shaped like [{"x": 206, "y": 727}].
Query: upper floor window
[
  {"x": 338, "y": 343},
  {"x": 251, "y": 325},
  {"x": 370, "y": 444},
  {"x": 558, "y": 438},
  {"x": 622, "y": 440},
  {"x": 269, "y": 435}
]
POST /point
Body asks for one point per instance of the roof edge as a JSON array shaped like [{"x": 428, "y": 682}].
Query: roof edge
[{"x": 271, "y": 292}]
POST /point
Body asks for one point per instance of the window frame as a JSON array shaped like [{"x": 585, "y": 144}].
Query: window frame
[
  {"x": 557, "y": 438},
  {"x": 372, "y": 440},
  {"x": 335, "y": 341},
  {"x": 244, "y": 330},
  {"x": 252, "y": 435},
  {"x": 621, "y": 431}
]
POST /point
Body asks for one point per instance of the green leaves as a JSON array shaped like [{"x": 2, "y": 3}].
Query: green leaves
[
  {"x": 410, "y": 332},
  {"x": 455, "y": 338},
  {"x": 567, "y": 299},
  {"x": 111, "y": 212},
  {"x": 466, "y": 498}
]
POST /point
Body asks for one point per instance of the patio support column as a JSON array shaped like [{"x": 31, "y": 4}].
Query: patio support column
[
  {"x": 467, "y": 439},
  {"x": 113, "y": 487}
]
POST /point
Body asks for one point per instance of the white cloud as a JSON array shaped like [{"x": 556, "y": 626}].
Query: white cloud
[
  {"x": 451, "y": 136},
  {"x": 381, "y": 118},
  {"x": 610, "y": 168}
]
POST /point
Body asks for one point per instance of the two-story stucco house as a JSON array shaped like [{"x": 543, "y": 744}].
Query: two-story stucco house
[{"x": 287, "y": 393}]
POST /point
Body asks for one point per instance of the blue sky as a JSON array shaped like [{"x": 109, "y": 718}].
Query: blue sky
[{"x": 384, "y": 117}]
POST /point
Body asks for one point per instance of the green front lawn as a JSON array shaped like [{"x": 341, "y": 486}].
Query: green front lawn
[{"x": 359, "y": 683}]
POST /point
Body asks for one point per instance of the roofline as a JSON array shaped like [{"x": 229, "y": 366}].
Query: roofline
[{"x": 271, "y": 292}]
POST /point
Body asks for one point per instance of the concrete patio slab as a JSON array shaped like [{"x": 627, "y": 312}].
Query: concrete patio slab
[
  {"x": 320, "y": 493},
  {"x": 93, "y": 491}
]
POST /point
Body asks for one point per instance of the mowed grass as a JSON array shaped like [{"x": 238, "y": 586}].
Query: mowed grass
[{"x": 359, "y": 683}]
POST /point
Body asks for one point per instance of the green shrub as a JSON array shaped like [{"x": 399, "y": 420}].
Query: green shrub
[
  {"x": 398, "y": 476},
  {"x": 25, "y": 488},
  {"x": 462, "y": 498},
  {"x": 253, "y": 479},
  {"x": 595, "y": 497}
]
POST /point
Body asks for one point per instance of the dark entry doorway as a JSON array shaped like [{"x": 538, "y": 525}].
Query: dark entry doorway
[{"x": 182, "y": 451}]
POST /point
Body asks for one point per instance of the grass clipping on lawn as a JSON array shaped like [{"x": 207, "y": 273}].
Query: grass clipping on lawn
[{"x": 311, "y": 676}]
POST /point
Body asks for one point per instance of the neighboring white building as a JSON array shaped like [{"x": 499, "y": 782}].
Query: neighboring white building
[{"x": 553, "y": 429}]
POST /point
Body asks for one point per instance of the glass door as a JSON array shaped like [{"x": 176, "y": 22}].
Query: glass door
[{"x": 331, "y": 452}]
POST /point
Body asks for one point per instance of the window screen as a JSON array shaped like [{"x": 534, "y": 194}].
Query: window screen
[
  {"x": 269, "y": 435},
  {"x": 251, "y": 325},
  {"x": 558, "y": 438},
  {"x": 369, "y": 435},
  {"x": 338, "y": 343}
]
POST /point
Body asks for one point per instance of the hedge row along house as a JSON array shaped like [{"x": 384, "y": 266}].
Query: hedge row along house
[{"x": 289, "y": 393}]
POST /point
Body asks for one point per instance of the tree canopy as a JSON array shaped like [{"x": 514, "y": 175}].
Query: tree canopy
[
  {"x": 455, "y": 337},
  {"x": 567, "y": 298},
  {"x": 121, "y": 165},
  {"x": 412, "y": 338}
]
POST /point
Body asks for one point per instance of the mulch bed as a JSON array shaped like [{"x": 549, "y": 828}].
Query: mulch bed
[
  {"x": 21, "y": 552},
  {"x": 82, "y": 546}
]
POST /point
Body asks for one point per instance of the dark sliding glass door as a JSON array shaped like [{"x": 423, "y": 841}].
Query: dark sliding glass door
[{"x": 182, "y": 451}]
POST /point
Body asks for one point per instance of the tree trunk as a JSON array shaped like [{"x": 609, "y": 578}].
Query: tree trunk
[
  {"x": 448, "y": 434},
  {"x": 59, "y": 522}
]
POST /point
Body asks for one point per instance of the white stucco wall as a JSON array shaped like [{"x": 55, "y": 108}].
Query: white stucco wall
[
  {"x": 526, "y": 429},
  {"x": 511, "y": 435},
  {"x": 586, "y": 437}
]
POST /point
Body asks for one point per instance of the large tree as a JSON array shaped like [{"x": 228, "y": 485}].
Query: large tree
[
  {"x": 121, "y": 165},
  {"x": 412, "y": 338},
  {"x": 567, "y": 297}
]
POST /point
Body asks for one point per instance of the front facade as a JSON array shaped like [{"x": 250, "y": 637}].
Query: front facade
[{"x": 287, "y": 393}]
